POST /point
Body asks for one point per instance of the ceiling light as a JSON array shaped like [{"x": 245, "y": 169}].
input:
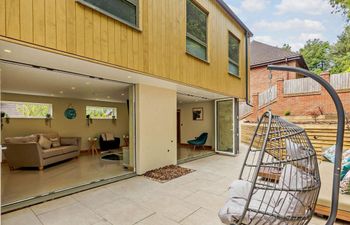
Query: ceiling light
[
  {"x": 108, "y": 96},
  {"x": 129, "y": 77},
  {"x": 123, "y": 94},
  {"x": 73, "y": 88},
  {"x": 61, "y": 92},
  {"x": 87, "y": 83},
  {"x": 7, "y": 50}
]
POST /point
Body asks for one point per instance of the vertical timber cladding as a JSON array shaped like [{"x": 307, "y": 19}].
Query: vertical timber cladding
[{"x": 157, "y": 48}]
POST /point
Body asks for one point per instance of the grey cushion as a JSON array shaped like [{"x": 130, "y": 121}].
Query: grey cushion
[
  {"x": 55, "y": 142},
  {"x": 58, "y": 151},
  {"x": 21, "y": 140},
  {"x": 44, "y": 142}
]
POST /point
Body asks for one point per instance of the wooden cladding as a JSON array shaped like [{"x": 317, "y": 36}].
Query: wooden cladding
[{"x": 158, "y": 48}]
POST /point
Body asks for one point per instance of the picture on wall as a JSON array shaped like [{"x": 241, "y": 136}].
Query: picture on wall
[{"x": 197, "y": 113}]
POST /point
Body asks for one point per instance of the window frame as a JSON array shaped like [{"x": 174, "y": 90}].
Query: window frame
[
  {"x": 195, "y": 39},
  {"x": 33, "y": 103},
  {"x": 115, "y": 109},
  {"x": 231, "y": 60},
  {"x": 134, "y": 2}
]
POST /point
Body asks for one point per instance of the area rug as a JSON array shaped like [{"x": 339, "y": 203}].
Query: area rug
[
  {"x": 111, "y": 157},
  {"x": 167, "y": 173}
]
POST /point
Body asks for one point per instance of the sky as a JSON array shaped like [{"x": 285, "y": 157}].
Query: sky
[{"x": 276, "y": 22}]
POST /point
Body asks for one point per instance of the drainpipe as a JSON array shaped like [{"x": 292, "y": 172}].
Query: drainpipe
[{"x": 246, "y": 70}]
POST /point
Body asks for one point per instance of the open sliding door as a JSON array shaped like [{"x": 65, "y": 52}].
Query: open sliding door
[{"x": 226, "y": 126}]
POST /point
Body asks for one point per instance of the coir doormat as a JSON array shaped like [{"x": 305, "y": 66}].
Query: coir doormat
[{"x": 167, "y": 173}]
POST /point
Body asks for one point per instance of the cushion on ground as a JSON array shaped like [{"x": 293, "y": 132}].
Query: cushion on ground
[
  {"x": 345, "y": 184},
  {"x": 324, "y": 199},
  {"x": 47, "y": 153}
]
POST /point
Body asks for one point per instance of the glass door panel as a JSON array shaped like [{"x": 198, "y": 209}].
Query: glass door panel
[{"x": 224, "y": 126}]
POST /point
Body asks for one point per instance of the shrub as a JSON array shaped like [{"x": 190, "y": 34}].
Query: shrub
[{"x": 287, "y": 113}]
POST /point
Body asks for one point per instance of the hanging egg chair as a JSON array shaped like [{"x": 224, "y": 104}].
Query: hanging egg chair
[{"x": 279, "y": 182}]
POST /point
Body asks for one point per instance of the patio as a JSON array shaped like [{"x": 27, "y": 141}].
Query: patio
[{"x": 193, "y": 199}]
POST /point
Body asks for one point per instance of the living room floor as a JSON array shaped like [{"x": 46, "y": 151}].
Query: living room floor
[
  {"x": 24, "y": 183},
  {"x": 193, "y": 199},
  {"x": 187, "y": 152}
]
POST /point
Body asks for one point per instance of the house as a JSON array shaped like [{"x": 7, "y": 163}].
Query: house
[
  {"x": 262, "y": 55},
  {"x": 95, "y": 92}
]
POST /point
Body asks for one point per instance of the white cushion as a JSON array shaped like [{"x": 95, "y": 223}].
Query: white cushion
[
  {"x": 109, "y": 137},
  {"x": 44, "y": 142}
]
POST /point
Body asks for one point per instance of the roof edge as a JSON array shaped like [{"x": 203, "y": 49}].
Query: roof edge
[
  {"x": 298, "y": 58},
  {"x": 234, "y": 16}
]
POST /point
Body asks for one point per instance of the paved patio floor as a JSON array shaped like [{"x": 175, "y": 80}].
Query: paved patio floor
[{"x": 193, "y": 199}]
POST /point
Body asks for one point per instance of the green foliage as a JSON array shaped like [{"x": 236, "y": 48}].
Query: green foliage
[
  {"x": 287, "y": 47},
  {"x": 317, "y": 55},
  {"x": 341, "y": 53},
  {"x": 287, "y": 113},
  {"x": 100, "y": 112},
  {"x": 342, "y": 6},
  {"x": 196, "y": 22},
  {"x": 33, "y": 110}
]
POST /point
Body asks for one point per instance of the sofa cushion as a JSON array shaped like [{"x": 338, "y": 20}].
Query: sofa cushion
[
  {"x": 50, "y": 135},
  {"x": 55, "y": 142},
  {"x": 69, "y": 141},
  {"x": 109, "y": 137},
  {"x": 21, "y": 140},
  {"x": 44, "y": 142},
  {"x": 345, "y": 184},
  {"x": 47, "y": 153}
]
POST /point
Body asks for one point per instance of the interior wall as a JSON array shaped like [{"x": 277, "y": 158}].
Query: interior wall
[
  {"x": 64, "y": 127},
  {"x": 193, "y": 128},
  {"x": 155, "y": 127}
]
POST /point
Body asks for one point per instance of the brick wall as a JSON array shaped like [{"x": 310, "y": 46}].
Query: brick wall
[{"x": 299, "y": 104}]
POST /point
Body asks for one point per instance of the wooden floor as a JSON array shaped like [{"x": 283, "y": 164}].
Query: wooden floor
[{"x": 24, "y": 183}]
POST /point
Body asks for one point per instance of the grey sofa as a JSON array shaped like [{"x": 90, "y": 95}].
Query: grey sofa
[{"x": 26, "y": 152}]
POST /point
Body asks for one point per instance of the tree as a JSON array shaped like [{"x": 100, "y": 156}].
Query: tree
[
  {"x": 341, "y": 52},
  {"x": 287, "y": 47},
  {"x": 342, "y": 6},
  {"x": 317, "y": 55}
]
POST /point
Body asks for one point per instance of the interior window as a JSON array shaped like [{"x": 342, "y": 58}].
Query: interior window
[
  {"x": 125, "y": 10},
  {"x": 25, "y": 110},
  {"x": 233, "y": 53},
  {"x": 196, "y": 37},
  {"x": 98, "y": 112}
]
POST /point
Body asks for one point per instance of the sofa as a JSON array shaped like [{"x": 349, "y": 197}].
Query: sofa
[
  {"x": 325, "y": 198},
  {"x": 27, "y": 151}
]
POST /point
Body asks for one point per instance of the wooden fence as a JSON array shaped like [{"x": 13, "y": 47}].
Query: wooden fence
[
  {"x": 340, "y": 81},
  {"x": 299, "y": 86},
  {"x": 268, "y": 96},
  {"x": 320, "y": 135}
]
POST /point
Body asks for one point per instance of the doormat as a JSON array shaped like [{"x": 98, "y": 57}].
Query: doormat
[{"x": 167, "y": 173}]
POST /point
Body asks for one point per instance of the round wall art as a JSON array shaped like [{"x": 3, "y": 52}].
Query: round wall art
[{"x": 70, "y": 113}]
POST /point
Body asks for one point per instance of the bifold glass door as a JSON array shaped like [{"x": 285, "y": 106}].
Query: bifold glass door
[{"x": 225, "y": 126}]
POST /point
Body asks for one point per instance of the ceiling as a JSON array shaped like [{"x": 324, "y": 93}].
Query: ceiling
[
  {"x": 33, "y": 81},
  {"x": 32, "y": 56}
]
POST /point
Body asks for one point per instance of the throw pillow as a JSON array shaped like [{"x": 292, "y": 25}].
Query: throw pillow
[
  {"x": 55, "y": 142},
  {"x": 103, "y": 135},
  {"x": 296, "y": 151},
  {"x": 345, "y": 169},
  {"x": 44, "y": 142},
  {"x": 109, "y": 137},
  {"x": 329, "y": 153},
  {"x": 345, "y": 184}
]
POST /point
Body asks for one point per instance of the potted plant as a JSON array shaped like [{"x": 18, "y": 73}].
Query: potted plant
[
  {"x": 48, "y": 119},
  {"x": 88, "y": 120},
  {"x": 6, "y": 117}
]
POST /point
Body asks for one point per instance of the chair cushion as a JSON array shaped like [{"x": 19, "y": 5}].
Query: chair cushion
[
  {"x": 44, "y": 142},
  {"x": 47, "y": 153},
  {"x": 109, "y": 137}
]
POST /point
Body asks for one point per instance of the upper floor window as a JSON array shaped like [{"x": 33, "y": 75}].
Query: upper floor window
[
  {"x": 26, "y": 109},
  {"x": 98, "y": 112},
  {"x": 123, "y": 10},
  {"x": 233, "y": 55},
  {"x": 196, "y": 31}
]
